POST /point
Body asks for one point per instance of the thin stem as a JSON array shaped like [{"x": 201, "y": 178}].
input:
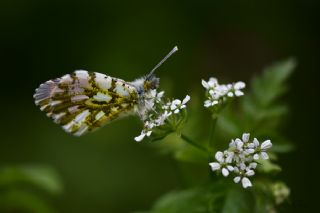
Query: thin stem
[
  {"x": 213, "y": 127},
  {"x": 194, "y": 144}
]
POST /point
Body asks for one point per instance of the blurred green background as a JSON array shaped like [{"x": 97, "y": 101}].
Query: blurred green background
[{"x": 107, "y": 171}]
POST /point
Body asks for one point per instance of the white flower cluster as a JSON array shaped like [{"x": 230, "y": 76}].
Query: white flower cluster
[
  {"x": 157, "y": 112},
  {"x": 218, "y": 93},
  {"x": 240, "y": 158}
]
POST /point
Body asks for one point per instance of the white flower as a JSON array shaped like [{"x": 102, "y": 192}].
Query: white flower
[
  {"x": 218, "y": 93},
  {"x": 213, "y": 82},
  {"x": 223, "y": 158},
  {"x": 209, "y": 103},
  {"x": 229, "y": 156},
  {"x": 153, "y": 94},
  {"x": 237, "y": 145},
  {"x": 245, "y": 181},
  {"x": 237, "y": 88},
  {"x": 142, "y": 135},
  {"x": 161, "y": 119},
  {"x": 262, "y": 150},
  {"x": 156, "y": 112},
  {"x": 177, "y": 104},
  {"x": 242, "y": 175},
  {"x": 239, "y": 158}
]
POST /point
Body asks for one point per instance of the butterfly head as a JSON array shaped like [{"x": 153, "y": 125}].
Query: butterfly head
[
  {"x": 146, "y": 84},
  {"x": 151, "y": 82}
]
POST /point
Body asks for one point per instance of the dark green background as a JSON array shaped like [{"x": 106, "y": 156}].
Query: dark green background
[{"x": 107, "y": 171}]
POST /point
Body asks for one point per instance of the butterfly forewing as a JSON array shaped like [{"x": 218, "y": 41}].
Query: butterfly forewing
[{"x": 83, "y": 101}]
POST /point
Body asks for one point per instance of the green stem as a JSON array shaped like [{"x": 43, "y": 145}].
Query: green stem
[
  {"x": 213, "y": 127},
  {"x": 194, "y": 144}
]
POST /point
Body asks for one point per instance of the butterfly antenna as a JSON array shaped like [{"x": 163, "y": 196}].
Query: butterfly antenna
[{"x": 163, "y": 60}]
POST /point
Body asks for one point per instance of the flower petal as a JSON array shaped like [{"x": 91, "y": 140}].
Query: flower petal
[
  {"x": 256, "y": 156},
  {"x": 230, "y": 94},
  {"x": 229, "y": 157},
  {"x": 214, "y": 166},
  {"x": 207, "y": 103},
  {"x": 251, "y": 146},
  {"x": 225, "y": 172},
  {"x": 148, "y": 133},
  {"x": 252, "y": 165},
  {"x": 205, "y": 84},
  {"x": 239, "y": 85},
  {"x": 173, "y": 106},
  {"x": 212, "y": 82},
  {"x": 256, "y": 142},
  {"x": 186, "y": 99},
  {"x": 266, "y": 145},
  {"x": 140, "y": 137},
  {"x": 230, "y": 168},
  {"x": 160, "y": 94},
  {"x": 237, "y": 179},
  {"x": 245, "y": 137},
  {"x": 250, "y": 173},
  {"x": 264, "y": 156},
  {"x": 249, "y": 151},
  {"x": 238, "y": 93},
  {"x": 239, "y": 143},
  {"x": 214, "y": 103},
  {"x": 246, "y": 182},
  {"x": 219, "y": 157}
]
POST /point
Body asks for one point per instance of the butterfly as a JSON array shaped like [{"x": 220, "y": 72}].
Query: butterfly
[{"x": 84, "y": 101}]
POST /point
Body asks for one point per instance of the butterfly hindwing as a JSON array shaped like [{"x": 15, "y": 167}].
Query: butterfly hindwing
[{"x": 83, "y": 101}]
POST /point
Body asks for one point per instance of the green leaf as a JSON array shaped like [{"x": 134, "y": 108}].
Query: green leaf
[
  {"x": 238, "y": 200},
  {"x": 218, "y": 197},
  {"x": 268, "y": 167},
  {"x": 271, "y": 84},
  {"x": 263, "y": 196},
  {"x": 260, "y": 107},
  {"x": 42, "y": 177},
  {"x": 23, "y": 201},
  {"x": 199, "y": 200}
]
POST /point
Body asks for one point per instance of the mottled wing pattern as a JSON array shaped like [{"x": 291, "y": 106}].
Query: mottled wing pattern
[{"x": 83, "y": 101}]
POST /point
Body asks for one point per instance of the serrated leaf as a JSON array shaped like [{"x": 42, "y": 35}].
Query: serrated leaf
[{"x": 271, "y": 84}]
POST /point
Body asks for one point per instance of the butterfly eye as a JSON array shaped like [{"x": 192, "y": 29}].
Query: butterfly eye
[{"x": 140, "y": 92}]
